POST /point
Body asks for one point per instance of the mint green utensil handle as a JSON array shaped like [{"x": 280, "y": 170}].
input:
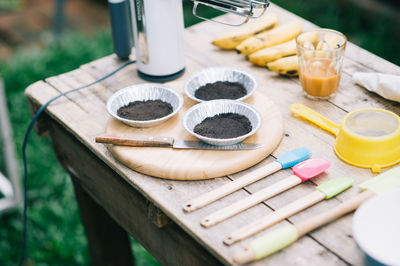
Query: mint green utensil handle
[
  {"x": 267, "y": 244},
  {"x": 274, "y": 241}
]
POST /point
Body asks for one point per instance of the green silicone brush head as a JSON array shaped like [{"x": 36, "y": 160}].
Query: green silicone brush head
[{"x": 335, "y": 186}]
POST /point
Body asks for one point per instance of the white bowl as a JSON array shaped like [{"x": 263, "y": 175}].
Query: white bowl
[
  {"x": 376, "y": 228},
  {"x": 214, "y": 74},
  {"x": 196, "y": 114},
  {"x": 144, "y": 92}
]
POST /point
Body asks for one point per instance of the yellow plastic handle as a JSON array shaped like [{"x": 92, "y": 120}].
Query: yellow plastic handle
[{"x": 312, "y": 116}]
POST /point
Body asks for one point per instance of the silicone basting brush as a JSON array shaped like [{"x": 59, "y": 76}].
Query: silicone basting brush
[
  {"x": 301, "y": 173},
  {"x": 286, "y": 235},
  {"x": 288, "y": 159},
  {"x": 326, "y": 190}
]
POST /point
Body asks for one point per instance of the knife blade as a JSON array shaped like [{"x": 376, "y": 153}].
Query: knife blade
[{"x": 158, "y": 141}]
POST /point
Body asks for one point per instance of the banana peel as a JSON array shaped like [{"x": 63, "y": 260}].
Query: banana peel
[
  {"x": 232, "y": 39},
  {"x": 288, "y": 66},
  {"x": 270, "y": 38},
  {"x": 266, "y": 55}
]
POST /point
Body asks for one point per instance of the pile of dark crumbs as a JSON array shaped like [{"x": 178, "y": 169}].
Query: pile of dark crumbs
[
  {"x": 145, "y": 110},
  {"x": 224, "y": 126},
  {"x": 221, "y": 90}
]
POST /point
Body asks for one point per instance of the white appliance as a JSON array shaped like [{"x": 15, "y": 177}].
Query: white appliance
[
  {"x": 158, "y": 34},
  {"x": 158, "y": 31}
]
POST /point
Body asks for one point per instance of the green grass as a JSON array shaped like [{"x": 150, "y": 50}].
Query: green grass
[
  {"x": 55, "y": 235},
  {"x": 9, "y": 4}
]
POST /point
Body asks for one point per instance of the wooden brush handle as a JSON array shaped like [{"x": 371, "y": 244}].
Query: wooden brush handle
[
  {"x": 250, "y": 201},
  {"x": 274, "y": 217},
  {"x": 231, "y": 187},
  {"x": 310, "y": 224},
  {"x": 135, "y": 140}
]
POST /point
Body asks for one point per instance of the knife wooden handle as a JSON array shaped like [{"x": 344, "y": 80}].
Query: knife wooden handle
[
  {"x": 250, "y": 201},
  {"x": 231, "y": 187},
  {"x": 274, "y": 217},
  {"x": 135, "y": 140}
]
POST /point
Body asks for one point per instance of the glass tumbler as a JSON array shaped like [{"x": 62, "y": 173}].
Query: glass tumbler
[{"x": 320, "y": 53}]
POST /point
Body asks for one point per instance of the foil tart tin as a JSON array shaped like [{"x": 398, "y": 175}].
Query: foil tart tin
[
  {"x": 144, "y": 92},
  {"x": 197, "y": 113},
  {"x": 214, "y": 74}
]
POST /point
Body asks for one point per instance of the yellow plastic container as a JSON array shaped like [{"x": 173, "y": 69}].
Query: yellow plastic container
[{"x": 367, "y": 137}]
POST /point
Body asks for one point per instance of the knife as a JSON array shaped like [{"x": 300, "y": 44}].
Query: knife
[{"x": 158, "y": 141}]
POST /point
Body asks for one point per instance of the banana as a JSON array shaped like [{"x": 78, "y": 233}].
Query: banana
[
  {"x": 288, "y": 66},
  {"x": 332, "y": 40},
  {"x": 233, "y": 38},
  {"x": 270, "y": 38},
  {"x": 263, "y": 56},
  {"x": 309, "y": 37}
]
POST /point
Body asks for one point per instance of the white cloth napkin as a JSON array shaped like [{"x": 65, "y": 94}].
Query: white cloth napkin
[{"x": 387, "y": 86}]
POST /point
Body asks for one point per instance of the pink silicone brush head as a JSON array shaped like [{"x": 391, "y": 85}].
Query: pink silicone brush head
[{"x": 310, "y": 168}]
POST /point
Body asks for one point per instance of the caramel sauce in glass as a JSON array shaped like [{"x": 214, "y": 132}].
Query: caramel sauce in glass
[{"x": 319, "y": 78}]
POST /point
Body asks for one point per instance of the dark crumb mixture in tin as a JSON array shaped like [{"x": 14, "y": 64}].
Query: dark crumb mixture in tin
[
  {"x": 145, "y": 110},
  {"x": 221, "y": 90},
  {"x": 224, "y": 126}
]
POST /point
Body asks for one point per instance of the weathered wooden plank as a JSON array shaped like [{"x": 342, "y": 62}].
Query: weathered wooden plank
[
  {"x": 40, "y": 92},
  {"x": 108, "y": 243}
]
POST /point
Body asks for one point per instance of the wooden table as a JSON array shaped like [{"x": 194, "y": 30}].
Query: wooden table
[{"x": 114, "y": 200}]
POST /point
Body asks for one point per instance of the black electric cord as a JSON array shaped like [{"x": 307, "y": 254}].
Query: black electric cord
[{"x": 30, "y": 126}]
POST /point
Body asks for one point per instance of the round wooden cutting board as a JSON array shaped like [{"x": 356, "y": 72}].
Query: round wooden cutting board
[{"x": 197, "y": 164}]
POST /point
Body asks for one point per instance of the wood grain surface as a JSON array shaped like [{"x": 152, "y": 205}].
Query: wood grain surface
[
  {"x": 83, "y": 115},
  {"x": 197, "y": 164}
]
